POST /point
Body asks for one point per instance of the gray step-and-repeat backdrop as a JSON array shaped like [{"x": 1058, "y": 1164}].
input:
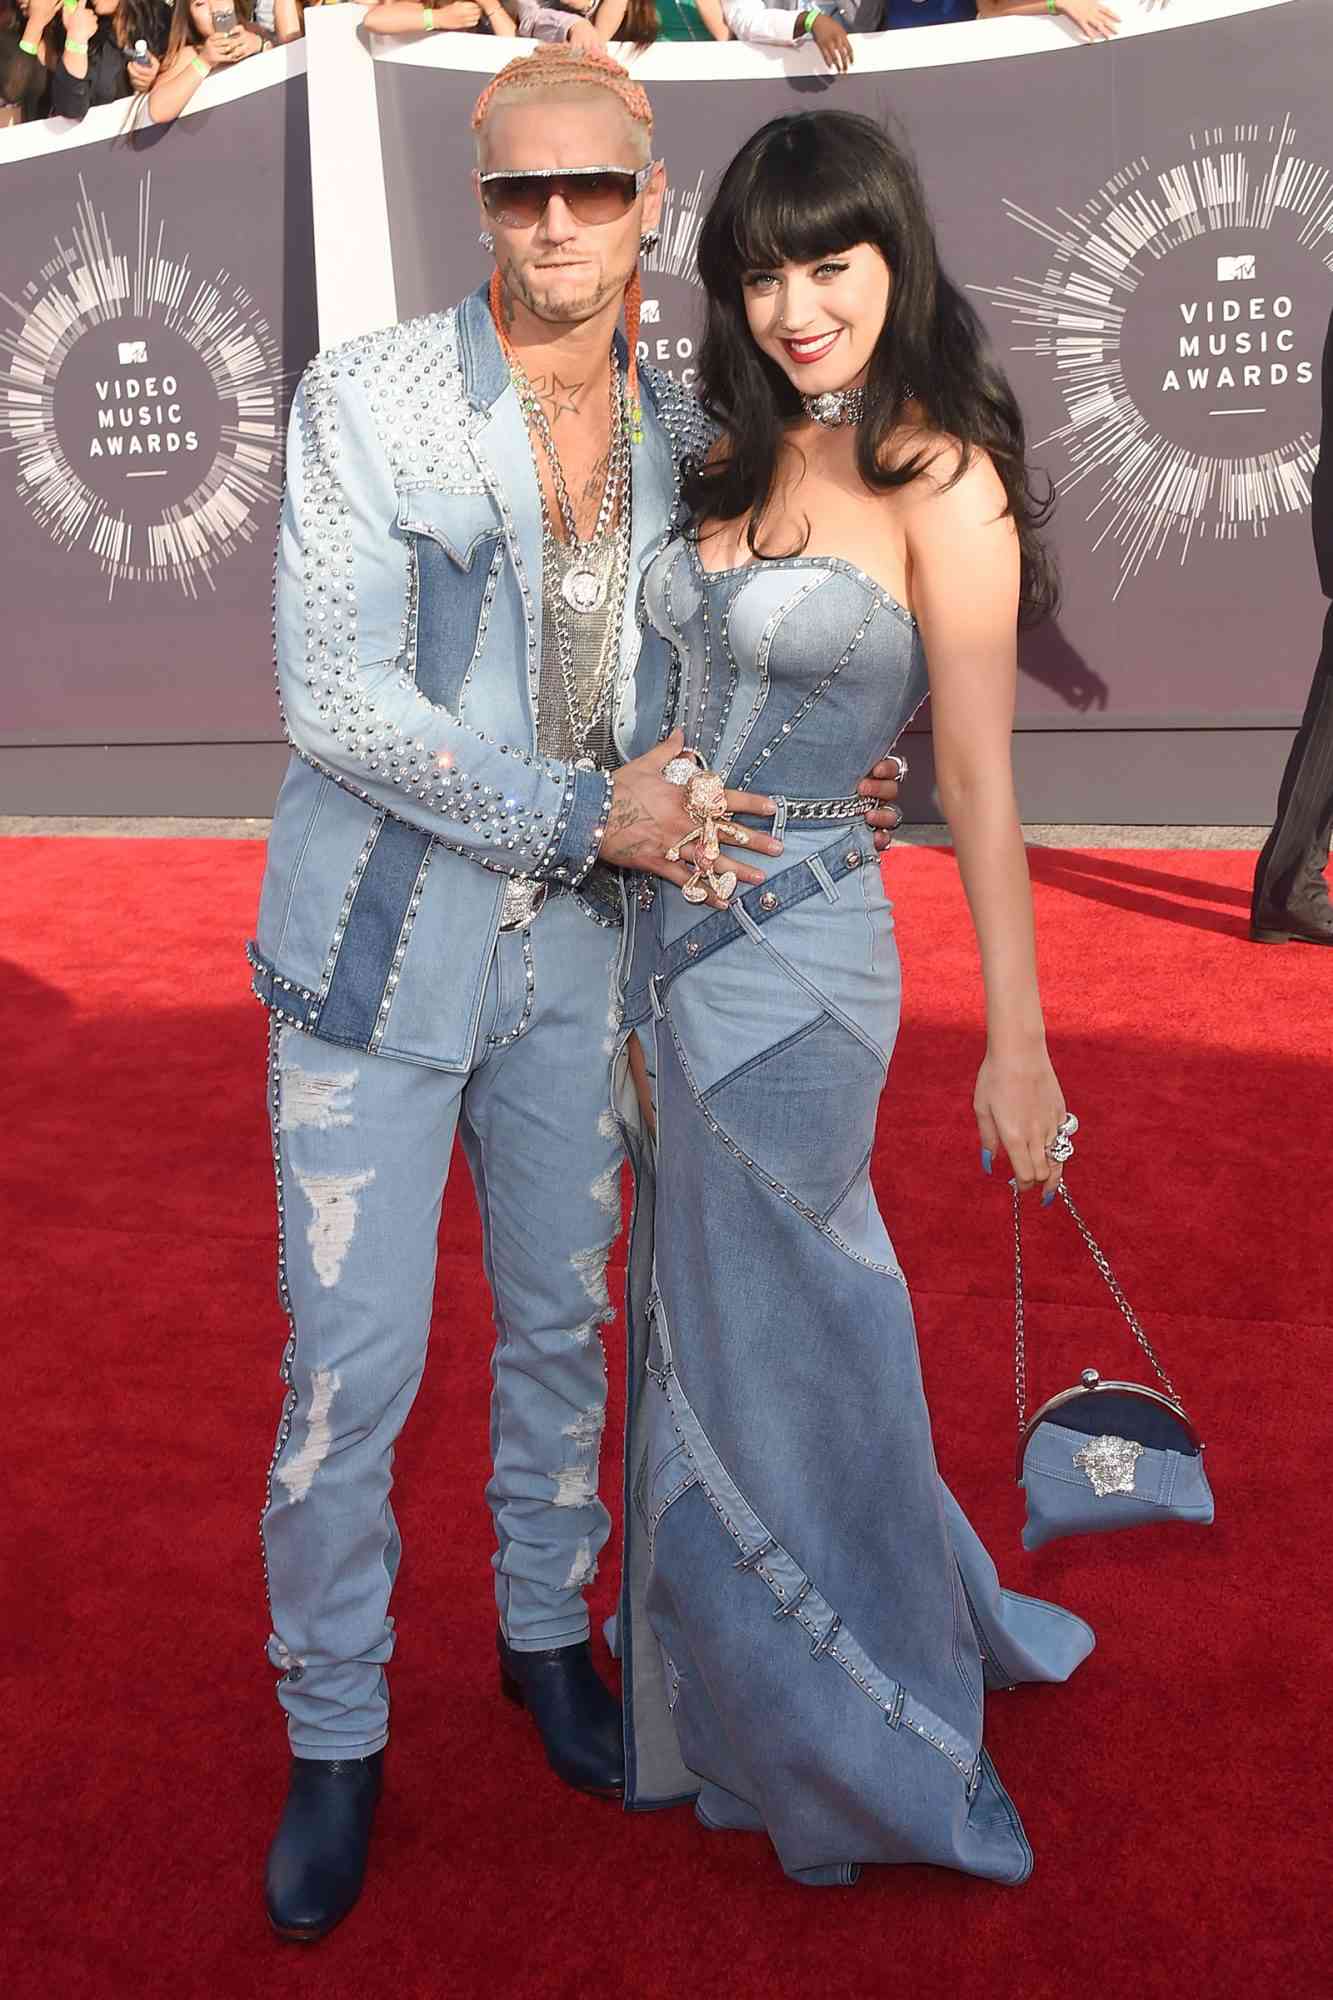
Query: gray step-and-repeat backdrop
[
  {"x": 157, "y": 306},
  {"x": 1146, "y": 226}
]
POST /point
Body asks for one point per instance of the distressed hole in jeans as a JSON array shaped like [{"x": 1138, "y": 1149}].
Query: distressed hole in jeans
[
  {"x": 583, "y": 1568},
  {"x": 606, "y": 1189},
  {"x": 591, "y": 1268},
  {"x": 576, "y": 1484},
  {"x": 316, "y": 1101},
  {"x": 614, "y": 1011},
  {"x": 297, "y": 1473},
  {"x": 334, "y": 1208}
]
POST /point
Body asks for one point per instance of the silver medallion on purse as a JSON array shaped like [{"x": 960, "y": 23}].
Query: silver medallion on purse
[{"x": 1103, "y": 1455}]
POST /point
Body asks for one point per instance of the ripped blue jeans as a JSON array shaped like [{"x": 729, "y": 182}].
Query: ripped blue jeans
[{"x": 362, "y": 1145}]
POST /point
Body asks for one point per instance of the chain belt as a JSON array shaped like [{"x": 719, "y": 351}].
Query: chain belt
[
  {"x": 524, "y": 901},
  {"x": 828, "y": 808}
]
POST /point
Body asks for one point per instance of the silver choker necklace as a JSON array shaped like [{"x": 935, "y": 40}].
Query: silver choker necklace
[{"x": 835, "y": 406}]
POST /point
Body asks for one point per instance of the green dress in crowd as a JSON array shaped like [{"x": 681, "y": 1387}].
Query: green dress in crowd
[{"x": 678, "y": 21}]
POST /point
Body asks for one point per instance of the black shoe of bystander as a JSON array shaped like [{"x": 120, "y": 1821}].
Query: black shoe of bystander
[{"x": 1311, "y": 925}]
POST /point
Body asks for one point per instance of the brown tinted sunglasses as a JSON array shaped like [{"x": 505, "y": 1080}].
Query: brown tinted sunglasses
[{"x": 591, "y": 194}]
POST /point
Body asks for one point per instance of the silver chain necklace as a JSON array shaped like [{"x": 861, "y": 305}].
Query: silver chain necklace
[
  {"x": 584, "y": 583},
  {"x": 580, "y": 575}
]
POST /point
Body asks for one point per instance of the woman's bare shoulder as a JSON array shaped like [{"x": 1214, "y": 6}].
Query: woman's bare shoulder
[{"x": 959, "y": 477}]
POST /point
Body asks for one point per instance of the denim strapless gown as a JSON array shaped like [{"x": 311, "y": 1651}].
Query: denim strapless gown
[{"x": 808, "y": 1622}]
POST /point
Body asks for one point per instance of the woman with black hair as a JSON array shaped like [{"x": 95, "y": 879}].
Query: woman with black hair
[
  {"x": 809, "y": 1620},
  {"x": 112, "y": 49},
  {"x": 23, "y": 75}
]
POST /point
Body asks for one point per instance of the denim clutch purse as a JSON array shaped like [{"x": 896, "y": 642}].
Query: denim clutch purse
[{"x": 1103, "y": 1455}]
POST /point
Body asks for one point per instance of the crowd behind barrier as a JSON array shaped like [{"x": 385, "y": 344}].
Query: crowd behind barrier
[{"x": 58, "y": 58}]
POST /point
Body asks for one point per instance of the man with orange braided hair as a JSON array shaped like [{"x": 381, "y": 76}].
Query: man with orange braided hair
[{"x": 470, "y": 500}]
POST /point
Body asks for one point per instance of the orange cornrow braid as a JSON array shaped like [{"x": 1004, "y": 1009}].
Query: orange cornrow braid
[
  {"x": 552, "y": 66},
  {"x": 633, "y": 308}
]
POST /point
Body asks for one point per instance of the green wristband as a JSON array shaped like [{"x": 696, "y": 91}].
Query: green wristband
[
  {"x": 1051, "y": 7},
  {"x": 76, "y": 48},
  {"x": 808, "y": 19},
  {"x": 28, "y": 48}
]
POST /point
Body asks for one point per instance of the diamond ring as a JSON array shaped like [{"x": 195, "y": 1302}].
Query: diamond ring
[{"x": 1061, "y": 1147}]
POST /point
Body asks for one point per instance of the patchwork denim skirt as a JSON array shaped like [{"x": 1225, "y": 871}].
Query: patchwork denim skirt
[{"x": 808, "y": 1622}]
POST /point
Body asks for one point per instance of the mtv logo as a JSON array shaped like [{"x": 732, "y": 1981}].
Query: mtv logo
[
  {"x": 131, "y": 351},
  {"x": 1233, "y": 270},
  {"x": 650, "y": 313}
]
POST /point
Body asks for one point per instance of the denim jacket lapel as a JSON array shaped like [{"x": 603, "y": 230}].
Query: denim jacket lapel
[{"x": 504, "y": 458}]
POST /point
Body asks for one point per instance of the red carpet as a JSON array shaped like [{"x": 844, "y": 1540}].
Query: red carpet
[{"x": 1166, "y": 1790}]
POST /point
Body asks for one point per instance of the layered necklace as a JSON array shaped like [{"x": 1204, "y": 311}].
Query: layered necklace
[
  {"x": 582, "y": 577},
  {"x": 585, "y": 564}
]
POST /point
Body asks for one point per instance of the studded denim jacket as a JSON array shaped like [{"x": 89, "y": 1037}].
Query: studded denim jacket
[{"x": 408, "y": 621}]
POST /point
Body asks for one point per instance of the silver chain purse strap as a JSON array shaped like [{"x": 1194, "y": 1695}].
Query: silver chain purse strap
[{"x": 1111, "y": 1281}]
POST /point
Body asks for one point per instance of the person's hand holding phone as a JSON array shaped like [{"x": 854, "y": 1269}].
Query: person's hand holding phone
[{"x": 231, "y": 35}]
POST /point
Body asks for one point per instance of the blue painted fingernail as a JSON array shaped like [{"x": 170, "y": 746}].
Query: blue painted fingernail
[
  {"x": 987, "y": 1160},
  {"x": 1048, "y": 1198}
]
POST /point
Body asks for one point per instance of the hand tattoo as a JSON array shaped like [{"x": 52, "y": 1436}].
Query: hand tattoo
[{"x": 623, "y": 813}]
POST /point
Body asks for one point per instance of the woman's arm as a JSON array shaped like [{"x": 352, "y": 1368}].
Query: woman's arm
[
  {"x": 287, "y": 23},
  {"x": 608, "y": 18},
  {"x": 71, "y": 93},
  {"x": 555, "y": 24},
  {"x": 180, "y": 79},
  {"x": 405, "y": 17},
  {"x": 32, "y": 27},
  {"x": 964, "y": 569},
  {"x": 1094, "y": 22},
  {"x": 710, "y": 13}
]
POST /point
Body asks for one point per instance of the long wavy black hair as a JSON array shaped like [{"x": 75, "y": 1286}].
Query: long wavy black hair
[{"x": 805, "y": 187}]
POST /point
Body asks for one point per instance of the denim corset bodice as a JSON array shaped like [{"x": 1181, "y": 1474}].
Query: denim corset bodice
[{"x": 795, "y": 674}]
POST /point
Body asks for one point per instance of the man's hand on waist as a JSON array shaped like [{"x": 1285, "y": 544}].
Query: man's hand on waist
[{"x": 648, "y": 815}]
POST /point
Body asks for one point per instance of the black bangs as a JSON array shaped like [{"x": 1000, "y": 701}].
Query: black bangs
[{"x": 803, "y": 199}]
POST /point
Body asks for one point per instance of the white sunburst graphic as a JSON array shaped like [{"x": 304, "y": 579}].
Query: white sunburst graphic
[
  {"x": 142, "y": 402},
  {"x": 1179, "y": 316},
  {"x": 678, "y": 233},
  {"x": 669, "y": 323}
]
